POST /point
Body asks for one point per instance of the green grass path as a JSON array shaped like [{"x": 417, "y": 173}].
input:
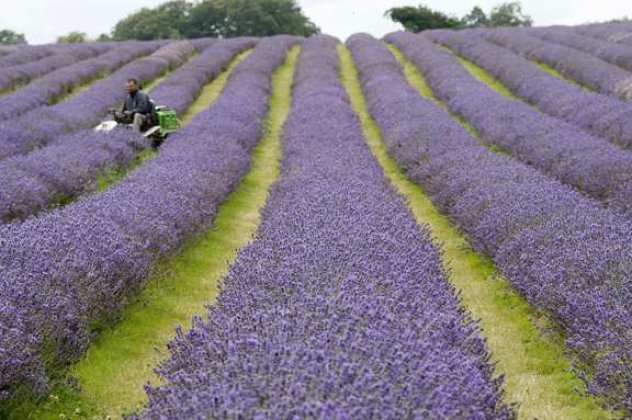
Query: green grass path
[
  {"x": 537, "y": 374},
  {"x": 122, "y": 359}
]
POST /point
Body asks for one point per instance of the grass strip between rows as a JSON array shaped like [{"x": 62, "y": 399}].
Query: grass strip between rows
[
  {"x": 554, "y": 72},
  {"x": 537, "y": 373},
  {"x": 122, "y": 359}
]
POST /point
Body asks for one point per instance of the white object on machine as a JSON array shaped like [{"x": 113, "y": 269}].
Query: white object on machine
[{"x": 106, "y": 126}]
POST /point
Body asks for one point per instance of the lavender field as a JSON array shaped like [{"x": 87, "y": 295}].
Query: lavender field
[{"x": 433, "y": 225}]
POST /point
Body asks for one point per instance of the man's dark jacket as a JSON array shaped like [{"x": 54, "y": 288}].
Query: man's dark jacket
[{"x": 138, "y": 103}]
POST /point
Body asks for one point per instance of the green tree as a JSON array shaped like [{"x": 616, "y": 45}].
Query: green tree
[
  {"x": 231, "y": 18},
  {"x": 509, "y": 14},
  {"x": 163, "y": 22},
  {"x": 624, "y": 19},
  {"x": 421, "y": 18},
  {"x": 476, "y": 18},
  {"x": 104, "y": 38},
  {"x": 215, "y": 18},
  {"x": 74, "y": 37},
  {"x": 9, "y": 37}
]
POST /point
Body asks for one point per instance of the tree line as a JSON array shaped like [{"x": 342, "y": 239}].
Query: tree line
[{"x": 421, "y": 18}]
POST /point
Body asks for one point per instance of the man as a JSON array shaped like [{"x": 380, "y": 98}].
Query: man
[{"x": 136, "y": 109}]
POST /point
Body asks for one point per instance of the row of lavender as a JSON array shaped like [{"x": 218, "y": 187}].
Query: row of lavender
[
  {"x": 70, "y": 165},
  {"x": 612, "y": 52},
  {"x": 566, "y": 255},
  {"x": 14, "y": 76},
  {"x": 66, "y": 270},
  {"x": 573, "y": 156},
  {"x": 21, "y": 54},
  {"x": 44, "y": 125},
  {"x": 339, "y": 308},
  {"x": 611, "y": 32},
  {"x": 52, "y": 86},
  {"x": 583, "y": 67},
  {"x": 600, "y": 114}
]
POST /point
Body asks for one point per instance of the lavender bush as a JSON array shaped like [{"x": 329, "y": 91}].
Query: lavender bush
[
  {"x": 15, "y": 76},
  {"x": 63, "y": 273},
  {"x": 181, "y": 88},
  {"x": 611, "y": 32},
  {"x": 339, "y": 308},
  {"x": 566, "y": 152},
  {"x": 8, "y": 49},
  {"x": 43, "y": 125},
  {"x": 69, "y": 167},
  {"x": 599, "y": 114},
  {"x": 568, "y": 257},
  {"x": 25, "y": 53},
  {"x": 584, "y": 68},
  {"x": 56, "y": 83},
  {"x": 614, "y": 53}
]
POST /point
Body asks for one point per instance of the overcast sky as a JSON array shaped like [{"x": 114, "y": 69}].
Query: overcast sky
[{"x": 43, "y": 20}]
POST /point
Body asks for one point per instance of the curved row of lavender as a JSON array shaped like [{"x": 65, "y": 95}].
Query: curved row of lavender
[
  {"x": 46, "y": 89},
  {"x": 8, "y": 49},
  {"x": 182, "y": 87},
  {"x": 614, "y": 53},
  {"x": 559, "y": 149},
  {"x": 585, "y": 68},
  {"x": 68, "y": 168},
  {"x": 566, "y": 255},
  {"x": 25, "y": 53},
  {"x": 44, "y": 125},
  {"x": 15, "y": 76},
  {"x": 339, "y": 308},
  {"x": 600, "y": 114},
  {"x": 200, "y": 44},
  {"x": 611, "y": 32},
  {"x": 66, "y": 271}
]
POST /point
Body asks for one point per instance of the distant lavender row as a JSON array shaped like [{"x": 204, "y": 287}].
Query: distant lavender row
[
  {"x": 600, "y": 114},
  {"x": 181, "y": 88},
  {"x": 43, "y": 125},
  {"x": 55, "y": 83},
  {"x": 15, "y": 76},
  {"x": 585, "y": 68},
  {"x": 614, "y": 53},
  {"x": 65, "y": 271},
  {"x": 25, "y": 53},
  {"x": 7, "y": 49},
  {"x": 611, "y": 32},
  {"x": 567, "y": 256},
  {"x": 572, "y": 155},
  {"x": 200, "y": 44},
  {"x": 339, "y": 308},
  {"x": 69, "y": 167}
]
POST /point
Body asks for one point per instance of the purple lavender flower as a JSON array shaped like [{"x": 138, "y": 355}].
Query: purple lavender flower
[
  {"x": 566, "y": 255},
  {"x": 43, "y": 125},
  {"x": 600, "y": 114},
  {"x": 68, "y": 167},
  {"x": 583, "y": 67},
  {"x": 573, "y": 156},
  {"x": 339, "y": 308},
  {"x": 13, "y": 76},
  {"x": 70, "y": 268}
]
